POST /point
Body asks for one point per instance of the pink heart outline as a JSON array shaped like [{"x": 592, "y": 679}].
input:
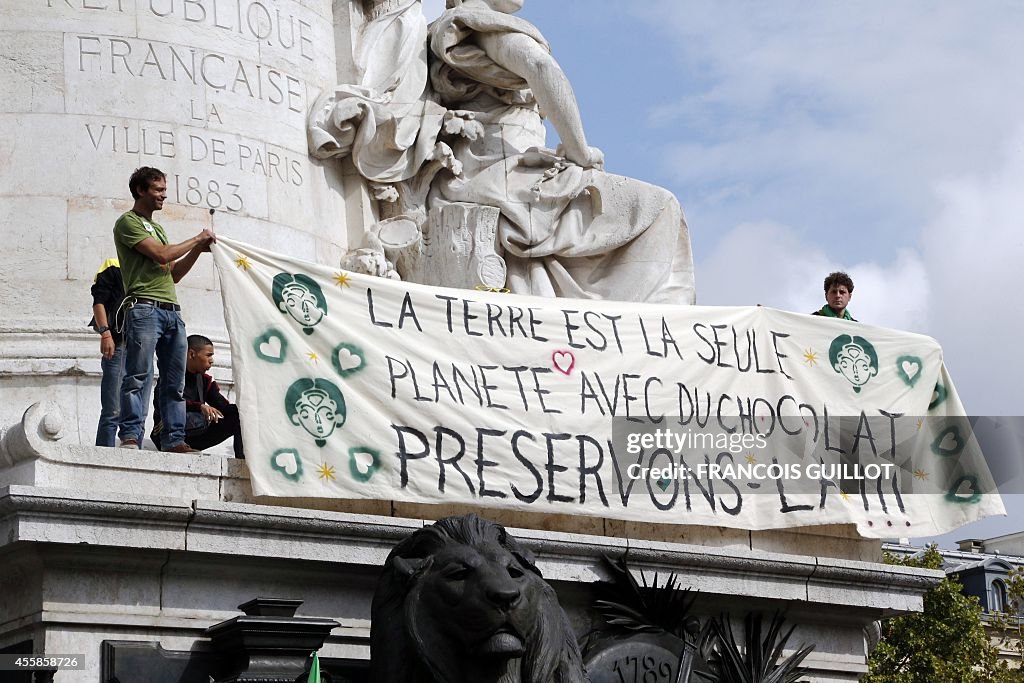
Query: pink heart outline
[{"x": 558, "y": 366}]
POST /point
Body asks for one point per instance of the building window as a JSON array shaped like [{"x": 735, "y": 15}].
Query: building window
[{"x": 997, "y": 600}]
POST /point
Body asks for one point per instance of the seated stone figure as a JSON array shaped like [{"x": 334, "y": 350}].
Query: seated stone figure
[
  {"x": 386, "y": 122},
  {"x": 567, "y": 228},
  {"x": 563, "y": 226}
]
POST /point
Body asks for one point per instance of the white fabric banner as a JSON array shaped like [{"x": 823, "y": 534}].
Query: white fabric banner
[{"x": 352, "y": 386}]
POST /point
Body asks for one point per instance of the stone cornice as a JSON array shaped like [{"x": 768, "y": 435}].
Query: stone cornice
[
  {"x": 52, "y": 492},
  {"x": 212, "y": 528}
]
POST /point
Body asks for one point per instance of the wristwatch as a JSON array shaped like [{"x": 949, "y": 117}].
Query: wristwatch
[{"x": 100, "y": 329}]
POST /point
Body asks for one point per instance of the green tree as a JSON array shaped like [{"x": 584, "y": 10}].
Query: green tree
[
  {"x": 945, "y": 642},
  {"x": 1007, "y": 624}
]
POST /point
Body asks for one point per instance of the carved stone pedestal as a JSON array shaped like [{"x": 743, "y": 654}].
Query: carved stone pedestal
[
  {"x": 99, "y": 546},
  {"x": 457, "y": 248}
]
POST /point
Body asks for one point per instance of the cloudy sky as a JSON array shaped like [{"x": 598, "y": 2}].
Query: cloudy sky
[{"x": 885, "y": 139}]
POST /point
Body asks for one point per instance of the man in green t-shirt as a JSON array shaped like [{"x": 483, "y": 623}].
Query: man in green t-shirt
[
  {"x": 150, "y": 268},
  {"x": 838, "y": 292}
]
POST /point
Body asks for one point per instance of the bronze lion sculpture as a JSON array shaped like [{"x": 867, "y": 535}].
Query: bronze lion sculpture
[{"x": 460, "y": 602}]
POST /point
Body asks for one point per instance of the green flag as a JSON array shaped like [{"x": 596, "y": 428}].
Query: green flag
[{"x": 314, "y": 670}]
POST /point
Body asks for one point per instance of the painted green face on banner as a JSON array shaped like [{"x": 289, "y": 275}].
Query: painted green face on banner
[
  {"x": 855, "y": 358},
  {"x": 300, "y": 297},
  {"x": 300, "y": 303},
  {"x": 855, "y": 365},
  {"x": 317, "y": 406},
  {"x": 316, "y": 412}
]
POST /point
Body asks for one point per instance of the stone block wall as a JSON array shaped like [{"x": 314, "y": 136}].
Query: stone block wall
[{"x": 213, "y": 92}]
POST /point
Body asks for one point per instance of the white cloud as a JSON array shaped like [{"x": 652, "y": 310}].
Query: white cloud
[
  {"x": 876, "y": 136},
  {"x": 770, "y": 264},
  {"x": 895, "y": 293},
  {"x": 974, "y": 253},
  {"x": 834, "y": 116},
  {"x": 960, "y": 286},
  {"x": 762, "y": 263}
]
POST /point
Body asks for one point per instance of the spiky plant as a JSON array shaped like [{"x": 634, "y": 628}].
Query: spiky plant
[
  {"x": 759, "y": 659},
  {"x": 629, "y": 605}
]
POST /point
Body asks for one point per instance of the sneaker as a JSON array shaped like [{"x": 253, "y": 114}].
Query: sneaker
[
  {"x": 129, "y": 443},
  {"x": 182, "y": 448}
]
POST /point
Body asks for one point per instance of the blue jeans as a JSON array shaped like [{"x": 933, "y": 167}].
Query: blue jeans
[
  {"x": 149, "y": 330},
  {"x": 110, "y": 398}
]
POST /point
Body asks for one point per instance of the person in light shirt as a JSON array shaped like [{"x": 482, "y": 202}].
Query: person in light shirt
[{"x": 150, "y": 267}]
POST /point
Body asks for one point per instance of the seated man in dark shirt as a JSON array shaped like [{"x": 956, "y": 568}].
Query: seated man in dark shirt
[{"x": 209, "y": 418}]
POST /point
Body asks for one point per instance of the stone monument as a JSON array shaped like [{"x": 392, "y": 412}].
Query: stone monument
[
  {"x": 451, "y": 136},
  {"x": 214, "y": 93},
  {"x": 430, "y": 156},
  {"x": 430, "y": 159}
]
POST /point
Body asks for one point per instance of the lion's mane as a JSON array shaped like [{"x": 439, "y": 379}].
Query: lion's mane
[{"x": 412, "y": 640}]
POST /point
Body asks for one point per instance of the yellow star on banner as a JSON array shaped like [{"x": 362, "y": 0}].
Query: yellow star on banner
[
  {"x": 313, "y": 358},
  {"x": 243, "y": 262},
  {"x": 810, "y": 357},
  {"x": 920, "y": 474},
  {"x": 920, "y": 423},
  {"x": 342, "y": 279},
  {"x": 493, "y": 290},
  {"x": 326, "y": 472},
  {"x": 844, "y": 495},
  {"x": 751, "y": 459}
]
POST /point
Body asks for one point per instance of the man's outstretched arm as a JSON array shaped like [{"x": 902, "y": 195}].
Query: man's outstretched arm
[{"x": 165, "y": 254}]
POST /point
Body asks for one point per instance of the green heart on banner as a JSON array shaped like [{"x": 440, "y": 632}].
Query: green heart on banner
[
  {"x": 348, "y": 359},
  {"x": 287, "y": 462},
  {"x": 909, "y": 369},
  {"x": 965, "y": 490},
  {"x": 939, "y": 395},
  {"x": 363, "y": 462},
  {"x": 271, "y": 346},
  {"x": 949, "y": 442}
]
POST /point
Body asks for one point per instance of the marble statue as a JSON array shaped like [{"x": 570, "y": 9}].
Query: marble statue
[
  {"x": 386, "y": 122},
  {"x": 562, "y": 226}
]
